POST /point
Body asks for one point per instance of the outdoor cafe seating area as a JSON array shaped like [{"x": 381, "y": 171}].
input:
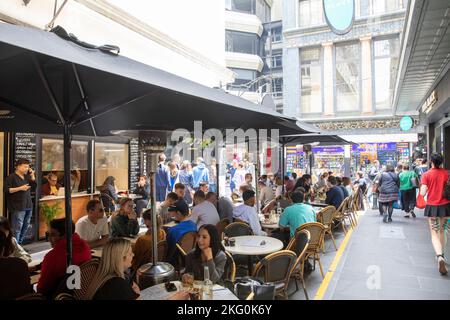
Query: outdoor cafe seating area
[{"x": 265, "y": 258}]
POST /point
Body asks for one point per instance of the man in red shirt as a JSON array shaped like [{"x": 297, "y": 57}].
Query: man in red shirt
[
  {"x": 54, "y": 265},
  {"x": 438, "y": 207}
]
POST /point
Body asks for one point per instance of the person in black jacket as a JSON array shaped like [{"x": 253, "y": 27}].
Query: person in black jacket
[
  {"x": 109, "y": 194},
  {"x": 142, "y": 189},
  {"x": 389, "y": 184},
  {"x": 335, "y": 195}
]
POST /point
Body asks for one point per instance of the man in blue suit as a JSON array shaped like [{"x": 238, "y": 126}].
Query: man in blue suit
[{"x": 161, "y": 178}]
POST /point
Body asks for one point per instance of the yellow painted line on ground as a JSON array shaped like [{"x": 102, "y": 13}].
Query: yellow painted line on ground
[{"x": 329, "y": 275}]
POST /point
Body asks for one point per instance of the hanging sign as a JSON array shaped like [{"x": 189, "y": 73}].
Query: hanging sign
[{"x": 339, "y": 15}]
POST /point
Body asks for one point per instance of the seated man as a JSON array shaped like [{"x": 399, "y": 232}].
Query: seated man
[
  {"x": 204, "y": 186},
  {"x": 180, "y": 210},
  {"x": 247, "y": 212},
  {"x": 51, "y": 187},
  {"x": 335, "y": 195},
  {"x": 54, "y": 264},
  {"x": 204, "y": 212},
  {"x": 163, "y": 212},
  {"x": 180, "y": 190},
  {"x": 266, "y": 193},
  {"x": 297, "y": 214},
  {"x": 93, "y": 228}
]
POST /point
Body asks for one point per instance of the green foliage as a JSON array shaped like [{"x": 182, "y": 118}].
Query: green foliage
[{"x": 50, "y": 212}]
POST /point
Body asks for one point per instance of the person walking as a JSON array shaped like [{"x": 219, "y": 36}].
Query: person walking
[
  {"x": 161, "y": 178},
  {"x": 389, "y": 184},
  {"x": 408, "y": 190},
  {"x": 200, "y": 173},
  {"x": 437, "y": 207},
  {"x": 185, "y": 177},
  {"x": 213, "y": 176},
  {"x": 18, "y": 198}
]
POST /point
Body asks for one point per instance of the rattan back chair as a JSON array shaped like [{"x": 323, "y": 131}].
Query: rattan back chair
[
  {"x": 229, "y": 273},
  {"x": 317, "y": 233},
  {"x": 87, "y": 272},
  {"x": 221, "y": 225},
  {"x": 237, "y": 229},
  {"x": 340, "y": 214},
  {"x": 184, "y": 246},
  {"x": 299, "y": 244},
  {"x": 326, "y": 216},
  {"x": 32, "y": 296},
  {"x": 65, "y": 296},
  {"x": 276, "y": 268}
]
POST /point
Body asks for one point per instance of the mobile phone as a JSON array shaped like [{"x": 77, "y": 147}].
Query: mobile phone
[{"x": 170, "y": 287}]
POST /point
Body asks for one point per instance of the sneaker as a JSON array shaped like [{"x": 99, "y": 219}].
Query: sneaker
[
  {"x": 385, "y": 219},
  {"x": 441, "y": 264},
  {"x": 390, "y": 220},
  {"x": 413, "y": 214},
  {"x": 406, "y": 215}
]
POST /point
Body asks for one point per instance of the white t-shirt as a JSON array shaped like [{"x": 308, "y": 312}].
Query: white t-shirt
[
  {"x": 204, "y": 213},
  {"x": 89, "y": 231}
]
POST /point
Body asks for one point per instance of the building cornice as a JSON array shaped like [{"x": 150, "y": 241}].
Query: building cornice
[
  {"x": 125, "y": 19},
  {"x": 244, "y": 22},
  {"x": 243, "y": 61}
]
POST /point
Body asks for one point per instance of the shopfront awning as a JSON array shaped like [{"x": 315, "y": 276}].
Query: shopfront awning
[{"x": 47, "y": 81}]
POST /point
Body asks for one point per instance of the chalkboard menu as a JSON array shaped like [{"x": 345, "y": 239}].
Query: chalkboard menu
[
  {"x": 25, "y": 147},
  {"x": 135, "y": 169}
]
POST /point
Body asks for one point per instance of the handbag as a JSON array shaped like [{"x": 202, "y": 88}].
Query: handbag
[
  {"x": 420, "y": 201},
  {"x": 244, "y": 286}
]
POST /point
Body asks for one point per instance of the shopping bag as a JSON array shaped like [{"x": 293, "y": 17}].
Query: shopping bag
[
  {"x": 398, "y": 203},
  {"x": 420, "y": 201}
]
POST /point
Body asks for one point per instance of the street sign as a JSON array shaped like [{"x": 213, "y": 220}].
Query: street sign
[
  {"x": 339, "y": 15},
  {"x": 406, "y": 123}
]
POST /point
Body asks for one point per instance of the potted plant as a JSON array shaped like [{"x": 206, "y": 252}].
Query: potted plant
[{"x": 49, "y": 212}]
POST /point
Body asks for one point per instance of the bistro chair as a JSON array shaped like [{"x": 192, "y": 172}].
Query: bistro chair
[
  {"x": 65, "y": 296},
  {"x": 237, "y": 229},
  {"x": 184, "y": 246},
  {"x": 276, "y": 268},
  {"x": 229, "y": 273},
  {"x": 299, "y": 244},
  {"x": 326, "y": 216},
  {"x": 87, "y": 271},
  {"x": 107, "y": 203},
  {"x": 317, "y": 233},
  {"x": 221, "y": 225},
  {"x": 340, "y": 214}
]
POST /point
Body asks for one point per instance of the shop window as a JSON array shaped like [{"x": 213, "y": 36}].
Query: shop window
[
  {"x": 347, "y": 77},
  {"x": 311, "y": 81},
  {"x": 111, "y": 159},
  {"x": 53, "y": 162}
]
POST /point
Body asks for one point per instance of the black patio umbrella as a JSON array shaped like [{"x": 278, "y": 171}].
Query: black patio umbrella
[
  {"x": 55, "y": 84},
  {"x": 322, "y": 139}
]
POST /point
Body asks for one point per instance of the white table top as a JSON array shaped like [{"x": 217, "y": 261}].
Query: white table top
[
  {"x": 251, "y": 245},
  {"x": 159, "y": 292},
  {"x": 269, "y": 225}
]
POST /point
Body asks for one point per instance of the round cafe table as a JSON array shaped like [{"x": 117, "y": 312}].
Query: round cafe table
[{"x": 254, "y": 246}]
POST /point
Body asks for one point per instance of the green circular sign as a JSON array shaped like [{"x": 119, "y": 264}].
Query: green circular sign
[{"x": 406, "y": 123}]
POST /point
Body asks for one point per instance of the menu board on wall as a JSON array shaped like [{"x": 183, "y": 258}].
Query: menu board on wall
[
  {"x": 25, "y": 147},
  {"x": 135, "y": 169}
]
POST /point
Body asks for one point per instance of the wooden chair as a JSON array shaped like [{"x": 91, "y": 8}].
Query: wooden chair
[
  {"x": 65, "y": 296},
  {"x": 88, "y": 271},
  {"x": 276, "y": 268},
  {"x": 229, "y": 273},
  {"x": 341, "y": 214},
  {"x": 184, "y": 246},
  {"x": 326, "y": 216},
  {"x": 32, "y": 296},
  {"x": 317, "y": 232},
  {"x": 237, "y": 229},
  {"x": 299, "y": 244},
  {"x": 221, "y": 225}
]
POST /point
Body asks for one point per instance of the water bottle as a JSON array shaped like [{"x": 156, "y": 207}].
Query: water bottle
[
  {"x": 278, "y": 209},
  {"x": 207, "y": 285}
]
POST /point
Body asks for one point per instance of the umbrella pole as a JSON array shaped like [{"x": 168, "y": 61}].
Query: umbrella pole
[{"x": 67, "y": 193}]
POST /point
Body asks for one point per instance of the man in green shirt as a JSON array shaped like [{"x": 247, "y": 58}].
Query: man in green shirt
[
  {"x": 297, "y": 214},
  {"x": 408, "y": 190}
]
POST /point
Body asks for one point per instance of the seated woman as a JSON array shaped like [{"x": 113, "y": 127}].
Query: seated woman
[
  {"x": 143, "y": 247},
  {"x": 12, "y": 248},
  {"x": 15, "y": 279},
  {"x": 109, "y": 281},
  {"x": 124, "y": 221},
  {"x": 108, "y": 194},
  {"x": 207, "y": 252}
]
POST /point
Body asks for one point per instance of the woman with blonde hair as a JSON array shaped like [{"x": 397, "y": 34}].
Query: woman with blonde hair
[{"x": 109, "y": 282}]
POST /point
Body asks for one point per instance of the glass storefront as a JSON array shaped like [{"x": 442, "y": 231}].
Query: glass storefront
[
  {"x": 111, "y": 159},
  {"x": 53, "y": 162}
]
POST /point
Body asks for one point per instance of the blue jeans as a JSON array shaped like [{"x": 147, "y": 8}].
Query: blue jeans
[{"x": 20, "y": 223}]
